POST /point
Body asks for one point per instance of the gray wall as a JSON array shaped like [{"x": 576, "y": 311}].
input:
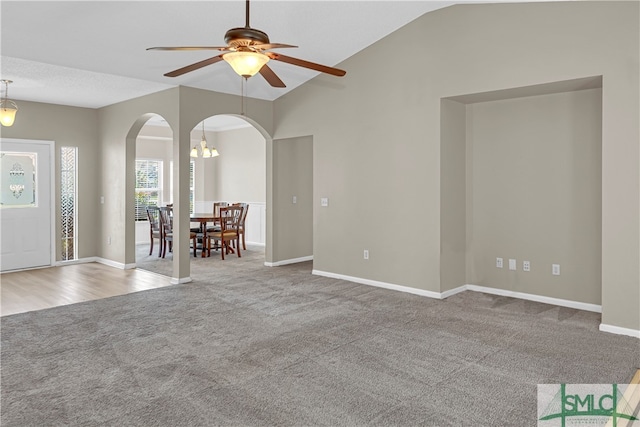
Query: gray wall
[
  {"x": 377, "y": 133},
  {"x": 239, "y": 173},
  {"x": 453, "y": 195},
  {"x": 293, "y": 176},
  {"x": 536, "y": 176},
  {"x": 70, "y": 127}
]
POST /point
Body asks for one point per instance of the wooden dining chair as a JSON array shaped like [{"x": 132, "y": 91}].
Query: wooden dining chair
[
  {"x": 245, "y": 209},
  {"x": 153, "y": 215},
  {"x": 166, "y": 224},
  {"x": 216, "y": 214},
  {"x": 216, "y": 223},
  {"x": 217, "y": 206},
  {"x": 228, "y": 233}
]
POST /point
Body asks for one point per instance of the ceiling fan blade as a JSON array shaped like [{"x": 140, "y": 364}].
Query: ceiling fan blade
[
  {"x": 271, "y": 77},
  {"x": 193, "y": 67},
  {"x": 268, "y": 46},
  {"x": 188, "y": 48},
  {"x": 306, "y": 64}
]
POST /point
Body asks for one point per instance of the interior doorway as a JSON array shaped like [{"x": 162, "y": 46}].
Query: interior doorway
[{"x": 238, "y": 174}]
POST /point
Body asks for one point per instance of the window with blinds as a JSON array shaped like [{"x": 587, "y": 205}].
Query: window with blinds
[
  {"x": 148, "y": 186},
  {"x": 192, "y": 191}
]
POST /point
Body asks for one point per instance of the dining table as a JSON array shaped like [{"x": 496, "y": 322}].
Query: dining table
[{"x": 204, "y": 218}]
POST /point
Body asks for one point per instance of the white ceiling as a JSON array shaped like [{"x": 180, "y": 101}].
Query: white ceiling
[{"x": 93, "y": 53}]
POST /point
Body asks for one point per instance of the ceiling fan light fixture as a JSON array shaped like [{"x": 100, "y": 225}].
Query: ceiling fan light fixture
[
  {"x": 245, "y": 54},
  {"x": 8, "y": 108},
  {"x": 246, "y": 64}
]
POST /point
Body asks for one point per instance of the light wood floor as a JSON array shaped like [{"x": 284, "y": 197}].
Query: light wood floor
[{"x": 29, "y": 290}]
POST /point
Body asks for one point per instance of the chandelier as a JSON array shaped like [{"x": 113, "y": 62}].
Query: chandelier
[
  {"x": 204, "y": 150},
  {"x": 8, "y": 108}
]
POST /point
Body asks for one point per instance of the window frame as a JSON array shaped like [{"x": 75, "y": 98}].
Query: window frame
[
  {"x": 142, "y": 216},
  {"x": 67, "y": 234}
]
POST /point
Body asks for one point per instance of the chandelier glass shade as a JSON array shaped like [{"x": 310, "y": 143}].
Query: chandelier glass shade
[
  {"x": 8, "y": 108},
  {"x": 246, "y": 64}
]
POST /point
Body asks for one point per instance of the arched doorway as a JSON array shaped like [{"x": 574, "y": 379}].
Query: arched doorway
[
  {"x": 240, "y": 138},
  {"x": 238, "y": 174}
]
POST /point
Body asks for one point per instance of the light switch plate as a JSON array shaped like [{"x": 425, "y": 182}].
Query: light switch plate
[
  {"x": 512, "y": 264},
  {"x": 324, "y": 201}
]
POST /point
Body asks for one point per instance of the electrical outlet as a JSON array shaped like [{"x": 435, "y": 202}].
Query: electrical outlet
[
  {"x": 109, "y": 240},
  {"x": 294, "y": 200},
  {"x": 555, "y": 269},
  {"x": 526, "y": 266},
  {"x": 499, "y": 262},
  {"x": 324, "y": 201},
  {"x": 512, "y": 264},
  {"x": 366, "y": 254}
]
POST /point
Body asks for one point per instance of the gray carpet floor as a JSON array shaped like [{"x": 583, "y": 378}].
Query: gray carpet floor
[{"x": 248, "y": 345}]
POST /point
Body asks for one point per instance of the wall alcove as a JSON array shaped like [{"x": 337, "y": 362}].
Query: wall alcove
[{"x": 521, "y": 178}]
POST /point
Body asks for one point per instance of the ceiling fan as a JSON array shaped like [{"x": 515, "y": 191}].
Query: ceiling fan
[{"x": 247, "y": 52}]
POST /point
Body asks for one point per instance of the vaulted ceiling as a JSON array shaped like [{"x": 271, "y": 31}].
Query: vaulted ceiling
[{"x": 93, "y": 53}]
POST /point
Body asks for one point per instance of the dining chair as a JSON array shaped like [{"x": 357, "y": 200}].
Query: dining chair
[
  {"x": 228, "y": 233},
  {"x": 216, "y": 214},
  {"x": 166, "y": 225},
  {"x": 245, "y": 207},
  {"x": 216, "y": 222},
  {"x": 201, "y": 235},
  {"x": 153, "y": 215}
]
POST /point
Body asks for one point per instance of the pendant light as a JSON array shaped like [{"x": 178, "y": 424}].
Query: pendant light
[
  {"x": 8, "y": 108},
  {"x": 204, "y": 150}
]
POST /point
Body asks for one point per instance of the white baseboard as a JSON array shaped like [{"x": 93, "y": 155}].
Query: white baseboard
[
  {"x": 494, "y": 291},
  {"x": 538, "y": 298},
  {"x": 99, "y": 260},
  {"x": 77, "y": 261},
  {"x": 178, "y": 281},
  {"x": 289, "y": 261},
  {"x": 256, "y": 244},
  {"x": 620, "y": 331},
  {"x": 28, "y": 269},
  {"x": 451, "y": 292},
  {"x": 115, "y": 264},
  {"x": 378, "y": 284}
]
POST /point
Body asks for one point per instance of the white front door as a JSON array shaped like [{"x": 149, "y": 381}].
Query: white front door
[{"x": 25, "y": 204}]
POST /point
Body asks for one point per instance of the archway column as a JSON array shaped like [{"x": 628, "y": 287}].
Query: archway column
[{"x": 181, "y": 242}]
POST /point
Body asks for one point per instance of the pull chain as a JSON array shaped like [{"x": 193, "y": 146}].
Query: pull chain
[{"x": 243, "y": 96}]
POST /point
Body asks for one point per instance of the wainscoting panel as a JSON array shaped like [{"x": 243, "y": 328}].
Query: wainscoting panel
[{"x": 256, "y": 224}]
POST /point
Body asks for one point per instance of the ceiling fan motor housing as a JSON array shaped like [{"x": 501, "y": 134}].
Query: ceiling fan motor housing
[{"x": 245, "y": 36}]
